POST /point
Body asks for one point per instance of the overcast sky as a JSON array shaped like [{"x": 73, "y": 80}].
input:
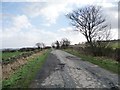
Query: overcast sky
[{"x": 26, "y": 22}]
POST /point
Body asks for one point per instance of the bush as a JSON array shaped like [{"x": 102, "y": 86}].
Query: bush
[
  {"x": 100, "y": 51},
  {"x": 116, "y": 56}
]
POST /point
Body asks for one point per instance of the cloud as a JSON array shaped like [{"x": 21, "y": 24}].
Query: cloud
[
  {"x": 74, "y": 36},
  {"x": 51, "y": 10},
  {"x": 111, "y": 14},
  {"x": 11, "y": 34},
  {"x": 48, "y": 11},
  {"x": 22, "y": 32},
  {"x": 21, "y": 21},
  {"x": 22, "y": 0},
  {"x": 66, "y": 30},
  {"x": 18, "y": 23},
  {"x": 114, "y": 34}
]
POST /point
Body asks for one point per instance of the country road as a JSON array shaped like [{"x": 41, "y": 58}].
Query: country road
[{"x": 63, "y": 70}]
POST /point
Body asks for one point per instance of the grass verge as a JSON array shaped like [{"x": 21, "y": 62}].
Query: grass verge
[
  {"x": 24, "y": 75},
  {"x": 108, "y": 64}
]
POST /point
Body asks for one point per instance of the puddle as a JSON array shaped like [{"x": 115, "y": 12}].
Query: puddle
[{"x": 72, "y": 58}]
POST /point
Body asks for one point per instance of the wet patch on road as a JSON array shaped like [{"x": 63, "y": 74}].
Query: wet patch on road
[{"x": 72, "y": 58}]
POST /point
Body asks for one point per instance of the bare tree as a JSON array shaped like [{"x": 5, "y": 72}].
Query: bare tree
[
  {"x": 53, "y": 45},
  {"x": 40, "y": 45},
  {"x": 91, "y": 23},
  {"x": 57, "y": 44},
  {"x": 43, "y": 45},
  {"x": 65, "y": 43}
]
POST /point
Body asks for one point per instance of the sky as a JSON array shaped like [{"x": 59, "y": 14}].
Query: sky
[{"x": 27, "y": 22}]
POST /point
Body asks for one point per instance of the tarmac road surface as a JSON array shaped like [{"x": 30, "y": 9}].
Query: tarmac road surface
[{"x": 63, "y": 70}]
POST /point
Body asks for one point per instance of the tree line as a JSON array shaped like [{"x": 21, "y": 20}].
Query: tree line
[{"x": 64, "y": 43}]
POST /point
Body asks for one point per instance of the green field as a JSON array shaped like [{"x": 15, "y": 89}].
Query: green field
[
  {"x": 24, "y": 75},
  {"x": 7, "y": 55},
  {"x": 103, "y": 62},
  {"x": 114, "y": 45}
]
